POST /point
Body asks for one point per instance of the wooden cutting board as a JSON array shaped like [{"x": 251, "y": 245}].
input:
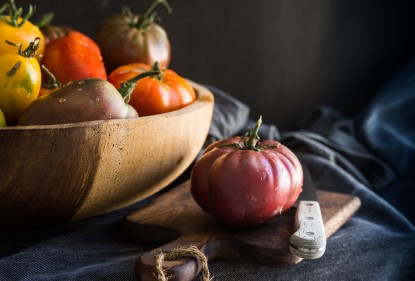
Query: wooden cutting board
[{"x": 174, "y": 219}]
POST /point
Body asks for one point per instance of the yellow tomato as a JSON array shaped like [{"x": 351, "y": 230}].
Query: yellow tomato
[
  {"x": 20, "y": 81},
  {"x": 23, "y": 34}
]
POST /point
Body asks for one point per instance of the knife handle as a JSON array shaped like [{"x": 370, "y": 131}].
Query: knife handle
[{"x": 309, "y": 240}]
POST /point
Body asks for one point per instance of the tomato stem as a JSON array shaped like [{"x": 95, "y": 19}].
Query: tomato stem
[
  {"x": 30, "y": 51},
  {"x": 156, "y": 67},
  {"x": 127, "y": 88},
  {"x": 253, "y": 142},
  {"x": 52, "y": 83},
  {"x": 15, "y": 14},
  {"x": 45, "y": 19},
  {"x": 249, "y": 141},
  {"x": 151, "y": 15},
  {"x": 144, "y": 21}
]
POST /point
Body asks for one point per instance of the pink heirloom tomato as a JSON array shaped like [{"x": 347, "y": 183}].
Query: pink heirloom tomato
[{"x": 244, "y": 182}]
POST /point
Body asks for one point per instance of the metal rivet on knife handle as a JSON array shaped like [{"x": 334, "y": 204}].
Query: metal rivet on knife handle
[{"x": 309, "y": 240}]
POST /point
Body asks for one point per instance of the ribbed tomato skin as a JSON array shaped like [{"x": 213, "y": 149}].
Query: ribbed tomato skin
[
  {"x": 245, "y": 187},
  {"x": 121, "y": 43}
]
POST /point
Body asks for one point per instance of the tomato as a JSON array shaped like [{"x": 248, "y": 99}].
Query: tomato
[
  {"x": 20, "y": 80},
  {"x": 2, "y": 119},
  {"x": 74, "y": 57},
  {"x": 99, "y": 100},
  {"x": 154, "y": 95},
  {"x": 13, "y": 28},
  {"x": 244, "y": 182},
  {"x": 127, "y": 38}
]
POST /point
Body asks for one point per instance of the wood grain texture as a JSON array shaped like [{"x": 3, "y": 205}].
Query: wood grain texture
[
  {"x": 174, "y": 219},
  {"x": 57, "y": 173}
]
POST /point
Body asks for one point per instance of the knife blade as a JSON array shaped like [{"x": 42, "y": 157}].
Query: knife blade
[{"x": 309, "y": 239}]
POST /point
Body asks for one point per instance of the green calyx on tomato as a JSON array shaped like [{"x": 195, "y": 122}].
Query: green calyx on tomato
[
  {"x": 15, "y": 14},
  {"x": 30, "y": 51},
  {"x": 250, "y": 140},
  {"x": 127, "y": 88},
  {"x": 143, "y": 21}
]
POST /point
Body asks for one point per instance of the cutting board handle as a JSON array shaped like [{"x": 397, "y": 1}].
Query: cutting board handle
[{"x": 186, "y": 268}]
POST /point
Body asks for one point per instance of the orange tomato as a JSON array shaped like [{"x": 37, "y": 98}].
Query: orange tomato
[{"x": 154, "y": 95}]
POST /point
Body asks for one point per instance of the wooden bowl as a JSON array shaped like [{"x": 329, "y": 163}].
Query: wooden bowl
[{"x": 59, "y": 173}]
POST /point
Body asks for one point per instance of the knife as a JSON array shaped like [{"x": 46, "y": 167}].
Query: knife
[{"x": 309, "y": 239}]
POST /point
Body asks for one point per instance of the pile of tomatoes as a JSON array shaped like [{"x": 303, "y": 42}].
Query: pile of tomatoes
[{"x": 39, "y": 62}]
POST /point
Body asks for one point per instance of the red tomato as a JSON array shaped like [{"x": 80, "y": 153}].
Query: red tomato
[
  {"x": 154, "y": 95},
  {"x": 243, "y": 182},
  {"x": 74, "y": 57}
]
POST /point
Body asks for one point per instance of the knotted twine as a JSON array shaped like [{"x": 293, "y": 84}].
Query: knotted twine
[{"x": 178, "y": 253}]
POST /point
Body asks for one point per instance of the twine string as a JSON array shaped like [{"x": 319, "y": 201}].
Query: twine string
[{"x": 178, "y": 253}]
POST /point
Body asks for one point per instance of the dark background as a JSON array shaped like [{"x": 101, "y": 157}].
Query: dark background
[{"x": 281, "y": 57}]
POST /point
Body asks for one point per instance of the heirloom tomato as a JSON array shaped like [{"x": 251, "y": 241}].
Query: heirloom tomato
[
  {"x": 126, "y": 38},
  {"x": 20, "y": 80},
  {"x": 14, "y": 28},
  {"x": 244, "y": 182},
  {"x": 74, "y": 57},
  {"x": 83, "y": 100},
  {"x": 154, "y": 95}
]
